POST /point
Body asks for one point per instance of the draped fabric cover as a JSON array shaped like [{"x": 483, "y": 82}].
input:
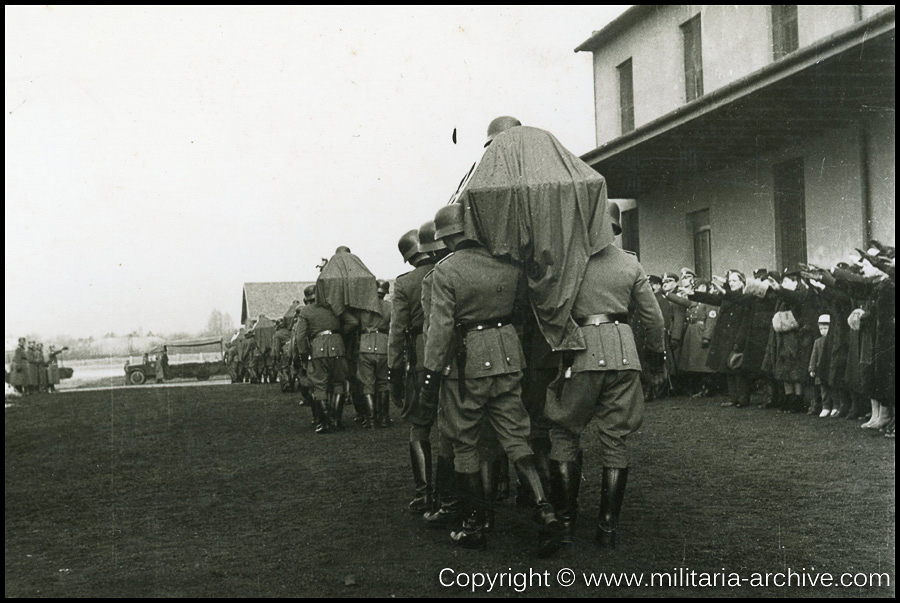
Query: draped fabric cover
[
  {"x": 345, "y": 282},
  {"x": 534, "y": 202}
]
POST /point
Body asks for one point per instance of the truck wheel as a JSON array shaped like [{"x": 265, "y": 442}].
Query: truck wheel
[{"x": 137, "y": 377}]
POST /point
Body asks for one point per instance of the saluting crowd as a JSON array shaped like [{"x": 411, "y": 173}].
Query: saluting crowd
[
  {"x": 809, "y": 339},
  {"x": 32, "y": 370}
]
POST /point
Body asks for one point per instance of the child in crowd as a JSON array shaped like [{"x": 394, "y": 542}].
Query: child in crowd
[{"x": 821, "y": 395}]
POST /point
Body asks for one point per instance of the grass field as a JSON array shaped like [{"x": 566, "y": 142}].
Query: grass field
[{"x": 225, "y": 491}]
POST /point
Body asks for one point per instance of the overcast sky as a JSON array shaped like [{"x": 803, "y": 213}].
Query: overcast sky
[{"x": 159, "y": 157}]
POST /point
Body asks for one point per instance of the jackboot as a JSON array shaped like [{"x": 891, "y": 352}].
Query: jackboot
[
  {"x": 549, "y": 533},
  {"x": 471, "y": 488},
  {"x": 501, "y": 471},
  {"x": 384, "y": 406},
  {"x": 369, "y": 412},
  {"x": 320, "y": 414},
  {"x": 565, "y": 485},
  {"x": 337, "y": 411},
  {"x": 420, "y": 457},
  {"x": 446, "y": 498},
  {"x": 612, "y": 493},
  {"x": 489, "y": 471}
]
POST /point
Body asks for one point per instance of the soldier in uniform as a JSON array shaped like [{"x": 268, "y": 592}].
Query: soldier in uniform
[
  {"x": 474, "y": 296},
  {"x": 405, "y": 354},
  {"x": 317, "y": 336},
  {"x": 53, "y": 367},
  {"x": 372, "y": 370},
  {"x": 603, "y": 381},
  {"x": 162, "y": 365},
  {"x": 446, "y": 501},
  {"x": 18, "y": 377},
  {"x": 281, "y": 354}
]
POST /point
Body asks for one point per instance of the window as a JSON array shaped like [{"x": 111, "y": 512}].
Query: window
[
  {"x": 790, "y": 213},
  {"x": 702, "y": 241},
  {"x": 626, "y": 96},
  {"x": 693, "y": 59},
  {"x": 629, "y": 222},
  {"x": 784, "y": 29}
]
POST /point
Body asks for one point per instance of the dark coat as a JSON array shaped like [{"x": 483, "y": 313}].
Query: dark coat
[
  {"x": 885, "y": 342},
  {"x": 732, "y": 326},
  {"x": 790, "y": 351}
]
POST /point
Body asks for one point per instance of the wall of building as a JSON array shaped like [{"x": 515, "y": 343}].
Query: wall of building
[
  {"x": 658, "y": 73},
  {"x": 880, "y": 133},
  {"x": 737, "y": 41},
  {"x": 742, "y": 213}
]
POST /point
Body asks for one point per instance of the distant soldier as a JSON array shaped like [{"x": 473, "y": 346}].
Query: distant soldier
[
  {"x": 19, "y": 375},
  {"x": 372, "y": 370},
  {"x": 53, "y": 367},
  {"x": 405, "y": 356},
  {"x": 41, "y": 360},
  {"x": 318, "y": 339},
  {"x": 229, "y": 358},
  {"x": 473, "y": 347},
  {"x": 162, "y": 364},
  {"x": 281, "y": 351},
  {"x": 31, "y": 383}
]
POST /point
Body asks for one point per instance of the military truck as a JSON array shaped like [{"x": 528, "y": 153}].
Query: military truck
[{"x": 210, "y": 350}]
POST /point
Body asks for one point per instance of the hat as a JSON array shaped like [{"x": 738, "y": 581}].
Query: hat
[
  {"x": 790, "y": 271},
  {"x": 309, "y": 293},
  {"x": 688, "y": 271},
  {"x": 761, "y": 273},
  {"x": 825, "y": 319},
  {"x": 654, "y": 280},
  {"x": 669, "y": 276}
]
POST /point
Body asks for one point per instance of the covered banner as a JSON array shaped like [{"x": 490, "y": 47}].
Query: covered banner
[
  {"x": 264, "y": 330},
  {"x": 345, "y": 282},
  {"x": 532, "y": 200}
]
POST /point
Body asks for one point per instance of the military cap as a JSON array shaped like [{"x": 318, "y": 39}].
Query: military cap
[{"x": 654, "y": 280}]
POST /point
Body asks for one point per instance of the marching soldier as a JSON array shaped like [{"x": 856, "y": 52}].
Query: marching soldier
[
  {"x": 604, "y": 381},
  {"x": 317, "y": 336},
  {"x": 281, "y": 351},
  {"x": 372, "y": 370},
  {"x": 474, "y": 296},
  {"x": 405, "y": 355}
]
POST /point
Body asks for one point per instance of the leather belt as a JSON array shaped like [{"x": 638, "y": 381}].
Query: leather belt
[
  {"x": 382, "y": 331},
  {"x": 602, "y": 319},
  {"x": 481, "y": 325}
]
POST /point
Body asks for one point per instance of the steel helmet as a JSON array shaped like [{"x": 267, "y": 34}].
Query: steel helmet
[
  {"x": 384, "y": 287},
  {"x": 409, "y": 244},
  {"x": 615, "y": 217},
  {"x": 427, "y": 242},
  {"x": 449, "y": 220},
  {"x": 500, "y": 125},
  {"x": 309, "y": 293}
]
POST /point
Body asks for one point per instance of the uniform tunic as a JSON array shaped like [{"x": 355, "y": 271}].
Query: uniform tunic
[
  {"x": 372, "y": 369},
  {"x": 605, "y": 379},
  {"x": 473, "y": 289},
  {"x": 316, "y": 333}
]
